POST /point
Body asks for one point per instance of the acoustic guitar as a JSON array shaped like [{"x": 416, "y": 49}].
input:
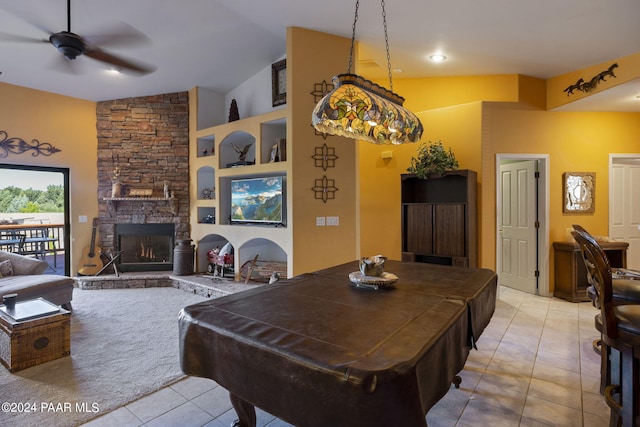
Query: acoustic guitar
[{"x": 91, "y": 262}]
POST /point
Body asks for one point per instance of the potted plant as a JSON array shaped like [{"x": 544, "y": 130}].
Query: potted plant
[{"x": 432, "y": 158}]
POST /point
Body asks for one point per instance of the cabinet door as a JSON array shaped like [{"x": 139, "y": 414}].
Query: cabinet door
[
  {"x": 449, "y": 229},
  {"x": 418, "y": 228}
]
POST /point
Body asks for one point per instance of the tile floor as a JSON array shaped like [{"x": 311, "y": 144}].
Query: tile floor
[{"x": 534, "y": 366}]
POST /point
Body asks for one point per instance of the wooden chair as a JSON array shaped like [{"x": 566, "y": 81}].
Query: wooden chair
[
  {"x": 620, "y": 326},
  {"x": 625, "y": 291}
]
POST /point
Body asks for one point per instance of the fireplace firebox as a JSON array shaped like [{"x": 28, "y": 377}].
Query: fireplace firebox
[{"x": 145, "y": 247}]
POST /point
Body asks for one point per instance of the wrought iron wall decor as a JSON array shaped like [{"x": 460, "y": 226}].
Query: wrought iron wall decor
[
  {"x": 318, "y": 133},
  {"x": 325, "y": 189},
  {"x": 18, "y": 146},
  {"x": 325, "y": 157},
  {"x": 319, "y": 91},
  {"x": 588, "y": 86}
]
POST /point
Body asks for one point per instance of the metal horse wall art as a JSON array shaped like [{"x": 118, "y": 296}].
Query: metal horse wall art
[{"x": 590, "y": 85}]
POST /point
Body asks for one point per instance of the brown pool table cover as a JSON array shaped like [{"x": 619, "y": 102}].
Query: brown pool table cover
[{"x": 318, "y": 351}]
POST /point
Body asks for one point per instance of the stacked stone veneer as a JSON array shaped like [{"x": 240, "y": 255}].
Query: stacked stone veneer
[
  {"x": 147, "y": 138},
  {"x": 208, "y": 290}
]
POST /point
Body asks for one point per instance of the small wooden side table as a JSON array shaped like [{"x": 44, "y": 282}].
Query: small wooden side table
[
  {"x": 570, "y": 277},
  {"x": 42, "y": 334}
]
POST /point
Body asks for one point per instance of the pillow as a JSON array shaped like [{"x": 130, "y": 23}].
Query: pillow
[
  {"x": 6, "y": 269},
  {"x": 226, "y": 249}
]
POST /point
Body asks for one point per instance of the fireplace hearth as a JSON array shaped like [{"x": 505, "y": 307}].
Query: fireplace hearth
[{"x": 145, "y": 247}]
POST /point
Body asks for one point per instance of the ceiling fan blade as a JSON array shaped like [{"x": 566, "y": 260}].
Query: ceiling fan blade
[
  {"x": 119, "y": 63},
  {"x": 17, "y": 9},
  {"x": 6, "y": 37},
  {"x": 121, "y": 35}
]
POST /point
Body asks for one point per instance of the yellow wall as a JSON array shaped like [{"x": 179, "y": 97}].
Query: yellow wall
[
  {"x": 477, "y": 131},
  {"x": 380, "y": 178},
  {"x": 450, "y": 110},
  {"x": 318, "y": 247},
  {"x": 575, "y": 142},
  {"x": 68, "y": 124}
]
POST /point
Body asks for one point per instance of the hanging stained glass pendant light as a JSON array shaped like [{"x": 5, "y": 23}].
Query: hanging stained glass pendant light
[{"x": 360, "y": 109}]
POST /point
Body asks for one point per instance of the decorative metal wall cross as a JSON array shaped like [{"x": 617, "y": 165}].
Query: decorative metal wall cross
[
  {"x": 325, "y": 157},
  {"x": 325, "y": 189},
  {"x": 319, "y": 92}
]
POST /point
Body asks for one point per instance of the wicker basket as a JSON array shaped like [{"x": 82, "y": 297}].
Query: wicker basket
[{"x": 29, "y": 343}]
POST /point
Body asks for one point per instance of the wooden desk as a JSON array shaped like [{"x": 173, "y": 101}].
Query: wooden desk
[
  {"x": 570, "y": 276},
  {"x": 317, "y": 351}
]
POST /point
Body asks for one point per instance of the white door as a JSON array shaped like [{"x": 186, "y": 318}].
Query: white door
[
  {"x": 624, "y": 206},
  {"x": 517, "y": 227}
]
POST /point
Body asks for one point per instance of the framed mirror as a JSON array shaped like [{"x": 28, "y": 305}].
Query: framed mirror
[{"x": 579, "y": 192}]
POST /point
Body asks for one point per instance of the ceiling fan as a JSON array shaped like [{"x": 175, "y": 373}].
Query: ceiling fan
[{"x": 71, "y": 45}]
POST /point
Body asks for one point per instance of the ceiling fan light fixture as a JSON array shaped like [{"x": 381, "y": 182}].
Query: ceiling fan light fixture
[{"x": 69, "y": 44}]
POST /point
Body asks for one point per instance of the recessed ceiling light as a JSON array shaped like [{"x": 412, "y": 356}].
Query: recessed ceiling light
[
  {"x": 113, "y": 70},
  {"x": 437, "y": 57}
]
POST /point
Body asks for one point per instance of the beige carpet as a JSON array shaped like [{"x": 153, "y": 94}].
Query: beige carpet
[{"x": 124, "y": 345}]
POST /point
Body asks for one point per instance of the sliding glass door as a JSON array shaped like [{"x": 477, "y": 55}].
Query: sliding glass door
[{"x": 34, "y": 213}]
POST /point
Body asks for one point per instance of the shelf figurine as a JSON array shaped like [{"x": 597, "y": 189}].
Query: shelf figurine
[{"x": 116, "y": 186}]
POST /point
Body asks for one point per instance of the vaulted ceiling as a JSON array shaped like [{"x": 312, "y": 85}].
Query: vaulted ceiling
[{"x": 219, "y": 44}]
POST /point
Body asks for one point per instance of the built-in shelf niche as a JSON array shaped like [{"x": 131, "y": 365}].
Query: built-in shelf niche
[
  {"x": 206, "y": 215},
  {"x": 228, "y": 155},
  {"x": 206, "y": 146},
  {"x": 206, "y": 177},
  {"x": 271, "y": 133}
]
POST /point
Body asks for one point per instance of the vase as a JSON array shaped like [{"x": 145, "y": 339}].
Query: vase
[{"x": 115, "y": 189}]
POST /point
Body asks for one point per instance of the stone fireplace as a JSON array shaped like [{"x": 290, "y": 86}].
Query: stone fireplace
[
  {"x": 147, "y": 139},
  {"x": 144, "y": 247}
]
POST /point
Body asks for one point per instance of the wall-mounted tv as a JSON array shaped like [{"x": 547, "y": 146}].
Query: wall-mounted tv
[{"x": 257, "y": 200}]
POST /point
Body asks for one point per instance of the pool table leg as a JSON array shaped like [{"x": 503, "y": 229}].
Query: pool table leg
[
  {"x": 246, "y": 412},
  {"x": 457, "y": 380}
]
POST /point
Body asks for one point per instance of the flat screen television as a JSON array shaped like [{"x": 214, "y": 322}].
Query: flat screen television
[{"x": 257, "y": 200}]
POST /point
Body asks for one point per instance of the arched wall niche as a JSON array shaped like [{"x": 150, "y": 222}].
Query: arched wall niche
[
  {"x": 265, "y": 249},
  {"x": 208, "y": 242}
]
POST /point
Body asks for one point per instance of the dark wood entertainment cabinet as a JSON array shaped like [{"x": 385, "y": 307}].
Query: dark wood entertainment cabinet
[
  {"x": 570, "y": 277},
  {"x": 439, "y": 219}
]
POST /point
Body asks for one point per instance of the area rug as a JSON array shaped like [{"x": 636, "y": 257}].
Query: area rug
[{"x": 124, "y": 345}]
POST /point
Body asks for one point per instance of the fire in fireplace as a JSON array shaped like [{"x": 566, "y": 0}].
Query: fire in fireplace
[{"x": 145, "y": 247}]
